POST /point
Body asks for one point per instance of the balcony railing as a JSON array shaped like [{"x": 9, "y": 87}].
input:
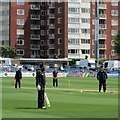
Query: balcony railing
[
  {"x": 102, "y": 56},
  {"x": 35, "y": 26},
  {"x": 34, "y": 46},
  {"x": 35, "y": 36},
  {"x": 102, "y": 46},
  {"x": 102, "y": 6},
  {"x": 102, "y": 26},
  {"x": 102, "y": 16},
  {"x": 35, "y": 7},
  {"x": 102, "y": 36},
  {"x": 36, "y": 17}
]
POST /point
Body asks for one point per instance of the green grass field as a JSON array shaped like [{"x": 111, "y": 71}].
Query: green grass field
[{"x": 65, "y": 102}]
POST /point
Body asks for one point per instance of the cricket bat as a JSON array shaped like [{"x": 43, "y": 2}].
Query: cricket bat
[{"x": 47, "y": 100}]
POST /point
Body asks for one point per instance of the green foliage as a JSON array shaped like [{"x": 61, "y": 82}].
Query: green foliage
[
  {"x": 8, "y": 51},
  {"x": 117, "y": 43}
]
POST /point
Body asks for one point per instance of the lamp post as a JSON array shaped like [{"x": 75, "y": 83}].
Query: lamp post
[{"x": 96, "y": 33}]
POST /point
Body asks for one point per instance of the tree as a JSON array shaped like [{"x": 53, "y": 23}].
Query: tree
[
  {"x": 117, "y": 44},
  {"x": 8, "y": 51}
]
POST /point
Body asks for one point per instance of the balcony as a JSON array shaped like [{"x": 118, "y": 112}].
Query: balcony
[
  {"x": 35, "y": 27},
  {"x": 102, "y": 6},
  {"x": 35, "y": 7},
  {"x": 102, "y": 26},
  {"x": 51, "y": 26},
  {"x": 102, "y": 46},
  {"x": 52, "y": 5},
  {"x": 102, "y": 36},
  {"x": 51, "y": 46},
  {"x": 35, "y": 47},
  {"x": 51, "y": 15},
  {"x": 102, "y": 16},
  {"x": 35, "y": 36},
  {"x": 51, "y": 36},
  {"x": 35, "y": 17}
]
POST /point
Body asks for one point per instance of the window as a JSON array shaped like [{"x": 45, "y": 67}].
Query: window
[
  {"x": 113, "y": 52},
  {"x": 59, "y": 20},
  {"x": 42, "y": 52},
  {"x": 114, "y": 2},
  {"x": 74, "y": 30},
  {"x": 20, "y": 32},
  {"x": 60, "y": 10},
  {"x": 114, "y": 32},
  {"x": 59, "y": 41},
  {"x": 85, "y": 41},
  {"x": 73, "y": 41},
  {"x": 43, "y": 3},
  {"x": 114, "y": 12},
  {"x": 59, "y": 30},
  {"x": 73, "y": 51},
  {"x": 93, "y": 52},
  {"x": 59, "y": 51},
  {"x": 42, "y": 42},
  {"x": 20, "y": 2},
  {"x": 112, "y": 43},
  {"x": 93, "y": 11},
  {"x": 85, "y": 31},
  {"x": 114, "y": 22},
  {"x": 20, "y": 12},
  {"x": 85, "y": 10},
  {"x": 73, "y": 10},
  {"x": 73, "y": 20},
  {"x": 20, "y": 42},
  {"x": 43, "y": 12},
  {"x": 20, "y": 21},
  {"x": 85, "y": 20},
  {"x": 43, "y": 22},
  {"x": 20, "y": 52},
  {"x": 85, "y": 51},
  {"x": 85, "y": 1},
  {"x": 43, "y": 32},
  {"x": 93, "y": 21}
]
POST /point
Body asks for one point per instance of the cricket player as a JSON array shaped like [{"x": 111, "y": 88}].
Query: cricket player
[{"x": 55, "y": 78}]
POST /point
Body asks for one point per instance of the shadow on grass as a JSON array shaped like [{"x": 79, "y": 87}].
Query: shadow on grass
[{"x": 26, "y": 108}]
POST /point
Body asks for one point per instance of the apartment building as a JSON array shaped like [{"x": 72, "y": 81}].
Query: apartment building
[
  {"x": 59, "y": 29},
  {"x": 39, "y": 29},
  {"x": 108, "y": 27}
]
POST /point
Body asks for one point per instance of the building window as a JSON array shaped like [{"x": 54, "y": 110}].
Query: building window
[
  {"x": 73, "y": 20},
  {"x": 60, "y": 10},
  {"x": 113, "y": 53},
  {"x": 59, "y": 51},
  {"x": 59, "y": 30},
  {"x": 85, "y": 20},
  {"x": 20, "y": 21},
  {"x": 114, "y": 22},
  {"x": 93, "y": 11},
  {"x": 93, "y": 52},
  {"x": 20, "y": 12},
  {"x": 73, "y": 41},
  {"x": 43, "y": 12},
  {"x": 114, "y": 2},
  {"x": 85, "y": 41},
  {"x": 85, "y": 1},
  {"x": 20, "y": 52},
  {"x": 85, "y": 51},
  {"x": 20, "y": 42},
  {"x": 93, "y": 21},
  {"x": 43, "y": 32},
  {"x": 74, "y": 30},
  {"x": 93, "y": 42},
  {"x": 20, "y": 32},
  {"x": 43, "y": 22},
  {"x": 85, "y": 31},
  {"x": 43, "y": 3},
  {"x": 73, "y": 51},
  {"x": 20, "y": 2},
  {"x": 112, "y": 42},
  {"x": 73, "y": 10},
  {"x": 114, "y": 32},
  {"x": 59, "y": 20},
  {"x": 42, "y": 42},
  {"x": 114, "y": 12},
  {"x": 85, "y": 10},
  {"x": 59, "y": 41},
  {"x": 42, "y": 52}
]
